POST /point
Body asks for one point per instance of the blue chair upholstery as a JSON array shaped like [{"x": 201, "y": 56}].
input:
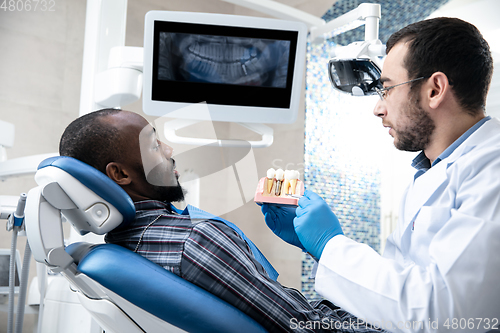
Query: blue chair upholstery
[{"x": 140, "y": 281}]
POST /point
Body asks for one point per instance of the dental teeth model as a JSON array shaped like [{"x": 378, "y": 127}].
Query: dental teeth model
[
  {"x": 279, "y": 181},
  {"x": 270, "y": 179},
  {"x": 291, "y": 178},
  {"x": 280, "y": 186}
]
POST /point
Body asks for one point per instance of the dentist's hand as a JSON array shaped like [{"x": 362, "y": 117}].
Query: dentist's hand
[
  {"x": 280, "y": 220},
  {"x": 315, "y": 223}
]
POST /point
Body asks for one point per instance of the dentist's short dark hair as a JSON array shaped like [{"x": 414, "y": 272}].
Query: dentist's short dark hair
[
  {"x": 91, "y": 140},
  {"x": 451, "y": 46}
]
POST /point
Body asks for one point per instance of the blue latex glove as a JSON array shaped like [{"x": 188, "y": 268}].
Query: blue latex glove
[
  {"x": 279, "y": 218},
  {"x": 315, "y": 223}
]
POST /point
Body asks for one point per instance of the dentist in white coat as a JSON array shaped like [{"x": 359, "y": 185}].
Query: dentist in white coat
[{"x": 440, "y": 270}]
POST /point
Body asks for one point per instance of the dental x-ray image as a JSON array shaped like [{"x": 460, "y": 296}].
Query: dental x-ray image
[{"x": 224, "y": 60}]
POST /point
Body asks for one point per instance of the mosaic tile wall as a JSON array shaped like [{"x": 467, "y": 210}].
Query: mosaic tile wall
[
  {"x": 341, "y": 152},
  {"x": 339, "y": 156}
]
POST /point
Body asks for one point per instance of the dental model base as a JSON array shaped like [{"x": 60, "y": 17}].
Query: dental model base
[{"x": 280, "y": 187}]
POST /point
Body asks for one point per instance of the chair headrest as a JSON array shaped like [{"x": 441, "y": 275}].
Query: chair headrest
[{"x": 95, "y": 181}]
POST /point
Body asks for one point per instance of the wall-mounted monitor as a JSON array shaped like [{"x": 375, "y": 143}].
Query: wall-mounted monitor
[{"x": 246, "y": 69}]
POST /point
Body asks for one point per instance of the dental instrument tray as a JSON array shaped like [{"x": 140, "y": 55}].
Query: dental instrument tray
[{"x": 280, "y": 187}]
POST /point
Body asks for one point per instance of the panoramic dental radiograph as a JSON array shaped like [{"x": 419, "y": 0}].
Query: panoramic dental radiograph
[{"x": 224, "y": 60}]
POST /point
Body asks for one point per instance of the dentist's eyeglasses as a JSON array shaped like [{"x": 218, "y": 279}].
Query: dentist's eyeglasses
[{"x": 383, "y": 92}]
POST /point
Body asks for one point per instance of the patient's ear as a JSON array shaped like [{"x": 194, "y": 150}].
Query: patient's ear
[{"x": 118, "y": 174}]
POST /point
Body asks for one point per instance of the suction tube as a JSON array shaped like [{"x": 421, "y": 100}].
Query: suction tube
[
  {"x": 17, "y": 219},
  {"x": 12, "y": 281},
  {"x": 22, "y": 289}
]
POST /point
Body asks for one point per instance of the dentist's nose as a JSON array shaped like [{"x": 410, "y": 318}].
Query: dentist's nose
[{"x": 380, "y": 110}]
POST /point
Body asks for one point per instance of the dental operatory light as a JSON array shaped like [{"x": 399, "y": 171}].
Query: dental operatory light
[
  {"x": 355, "y": 76},
  {"x": 354, "y": 68}
]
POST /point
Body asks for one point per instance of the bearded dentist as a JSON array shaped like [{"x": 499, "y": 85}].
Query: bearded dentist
[{"x": 441, "y": 266}]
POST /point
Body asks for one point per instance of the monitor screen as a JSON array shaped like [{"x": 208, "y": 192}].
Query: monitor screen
[
  {"x": 241, "y": 68},
  {"x": 222, "y": 69}
]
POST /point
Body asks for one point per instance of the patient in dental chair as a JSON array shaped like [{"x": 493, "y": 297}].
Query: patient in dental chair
[{"x": 208, "y": 252}]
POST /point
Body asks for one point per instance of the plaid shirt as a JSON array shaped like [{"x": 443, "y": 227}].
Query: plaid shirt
[{"x": 213, "y": 256}]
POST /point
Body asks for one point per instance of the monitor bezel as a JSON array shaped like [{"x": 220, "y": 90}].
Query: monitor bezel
[{"x": 233, "y": 25}]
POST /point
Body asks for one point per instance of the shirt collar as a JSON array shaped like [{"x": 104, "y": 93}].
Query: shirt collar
[
  {"x": 193, "y": 212},
  {"x": 153, "y": 205},
  {"x": 422, "y": 163}
]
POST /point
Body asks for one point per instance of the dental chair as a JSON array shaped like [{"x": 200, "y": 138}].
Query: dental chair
[{"x": 123, "y": 291}]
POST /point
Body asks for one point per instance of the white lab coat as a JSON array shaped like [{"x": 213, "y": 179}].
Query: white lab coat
[{"x": 442, "y": 261}]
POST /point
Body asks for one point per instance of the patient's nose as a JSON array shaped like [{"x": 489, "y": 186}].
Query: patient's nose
[{"x": 168, "y": 151}]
